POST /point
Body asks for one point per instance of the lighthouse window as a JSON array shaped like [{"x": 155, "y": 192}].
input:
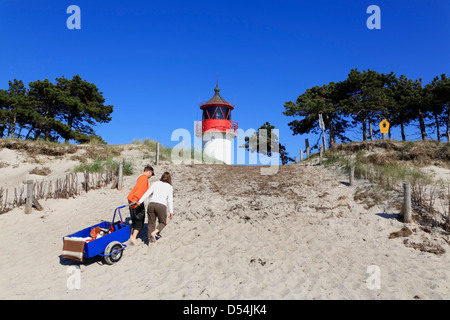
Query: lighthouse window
[
  {"x": 227, "y": 114},
  {"x": 205, "y": 114},
  {"x": 220, "y": 113},
  {"x": 216, "y": 113}
]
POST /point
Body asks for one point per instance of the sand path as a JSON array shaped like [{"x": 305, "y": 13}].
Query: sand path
[{"x": 236, "y": 235}]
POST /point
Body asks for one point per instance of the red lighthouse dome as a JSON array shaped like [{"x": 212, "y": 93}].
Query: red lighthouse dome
[
  {"x": 216, "y": 116},
  {"x": 216, "y": 128}
]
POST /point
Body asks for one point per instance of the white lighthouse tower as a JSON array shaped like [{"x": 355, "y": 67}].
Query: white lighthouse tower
[{"x": 216, "y": 128}]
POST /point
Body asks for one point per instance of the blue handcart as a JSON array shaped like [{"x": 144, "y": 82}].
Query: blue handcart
[{"x": 110, "y": 246}]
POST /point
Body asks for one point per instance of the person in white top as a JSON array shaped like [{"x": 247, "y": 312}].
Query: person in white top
[{"x": 162, "y": 198}]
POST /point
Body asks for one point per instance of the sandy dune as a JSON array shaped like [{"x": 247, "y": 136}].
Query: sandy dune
[{"x": 236, "y": 234}]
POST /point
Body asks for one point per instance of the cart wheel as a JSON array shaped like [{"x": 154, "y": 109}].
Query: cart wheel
[{"x": 115, "y": 257}]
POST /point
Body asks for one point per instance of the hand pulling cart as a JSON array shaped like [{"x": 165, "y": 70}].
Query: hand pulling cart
[{"x": 109, "y": 243}]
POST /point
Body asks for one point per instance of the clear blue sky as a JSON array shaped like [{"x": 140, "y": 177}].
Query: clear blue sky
[{"x": 155, "y": 60}]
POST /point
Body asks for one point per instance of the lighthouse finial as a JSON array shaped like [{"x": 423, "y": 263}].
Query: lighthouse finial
[{"x": 217, "y": 83}]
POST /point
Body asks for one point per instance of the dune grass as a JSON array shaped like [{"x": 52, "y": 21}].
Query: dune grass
[
  {"x": 383, "y": 169},
  {"x": 390, "y": 164},
  {"x": 101, "y": 165}
]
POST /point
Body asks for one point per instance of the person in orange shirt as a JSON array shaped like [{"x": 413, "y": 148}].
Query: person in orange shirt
[{"x": 137, "y": 213}]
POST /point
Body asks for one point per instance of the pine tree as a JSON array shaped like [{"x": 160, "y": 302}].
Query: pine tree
[
  {"x": 319, "y": 100},
  {"x": 265, "y": 134},
  {"x": 83, "y": 106}
]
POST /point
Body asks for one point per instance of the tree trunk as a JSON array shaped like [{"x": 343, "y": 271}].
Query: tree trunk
[
  {"x": 448, "y": 124},
  {"x": 364, "y": 127},
  {"x": 422, "y": 126},
  {"x": 69, "y": 123},
  {"x": 37, "y": 133},
  {"x": 332, "y": 135},
  {"x": 29, "y": 132},
  {"x": 13, "y": 126},
  {"x": 437, "y": 127},
  {"x": 402, "y": 126},
  {"x": 20, "y": 132},
  {"x": 370, "y": 130}
]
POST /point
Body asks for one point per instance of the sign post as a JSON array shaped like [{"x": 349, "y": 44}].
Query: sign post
[
  {"x": 384, "y": 128},
  {"x": 322, "y": 126}
]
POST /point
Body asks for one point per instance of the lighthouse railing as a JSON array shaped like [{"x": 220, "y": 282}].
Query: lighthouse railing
[{"x": 215, "y": 125}]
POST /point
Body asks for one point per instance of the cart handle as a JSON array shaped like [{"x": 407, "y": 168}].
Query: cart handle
[{"x": 118, "y": 210}]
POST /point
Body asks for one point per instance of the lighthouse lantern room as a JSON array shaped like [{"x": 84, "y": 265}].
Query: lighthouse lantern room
[{"x": 216, "y": 128}]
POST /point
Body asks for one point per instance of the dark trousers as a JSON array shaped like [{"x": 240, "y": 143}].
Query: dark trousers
[
  {"x": 156, "y": 210},
  {"x": 137, "y": 217}
]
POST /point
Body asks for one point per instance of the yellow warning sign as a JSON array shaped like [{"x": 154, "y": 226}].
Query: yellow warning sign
[{"x": 384, "y": 126}]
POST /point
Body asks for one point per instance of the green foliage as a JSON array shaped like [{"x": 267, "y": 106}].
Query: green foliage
[
  {"x": 365, "y": 98},
  {"x": 380, "y": 168},
  {"x": 265, "y": 133},
  {"x": 67, "y": 109},
  {"x": 101, "y": 165},
  {"x": 149, "y": 145},
  {"x": 319, "y": 100}
]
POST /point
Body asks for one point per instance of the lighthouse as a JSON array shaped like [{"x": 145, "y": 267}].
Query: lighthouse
[{"x": 216, "y": 128}]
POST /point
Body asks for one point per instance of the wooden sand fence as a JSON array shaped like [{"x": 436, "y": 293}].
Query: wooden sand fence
[{"x": 69, "y": 186}]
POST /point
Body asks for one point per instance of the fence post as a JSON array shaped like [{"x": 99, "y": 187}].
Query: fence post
[
  {"x": 86, "y": 181},
  {"x": 181, "y": 149},
  {"x": 157, "y": 153},
  {"x": 120, "y": 181},
  {"x": 352, "y": 175},
  {"x": 29, "y": 202},
  {"x": 307, "y": 148},
  {"x": 301, "y": 155},
  {"x": 407, "y": 203},
  {"x": 321, "y": 154}
]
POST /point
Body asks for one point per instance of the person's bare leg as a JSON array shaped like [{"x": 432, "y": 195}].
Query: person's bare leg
[
  {"x": 134, "y": 236},
  {"x": 151, "y": 223},
  {"x": 153, "y": 234},
  {"x": 161, "y": 213},
  {"x": 151, "y": 239}
]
